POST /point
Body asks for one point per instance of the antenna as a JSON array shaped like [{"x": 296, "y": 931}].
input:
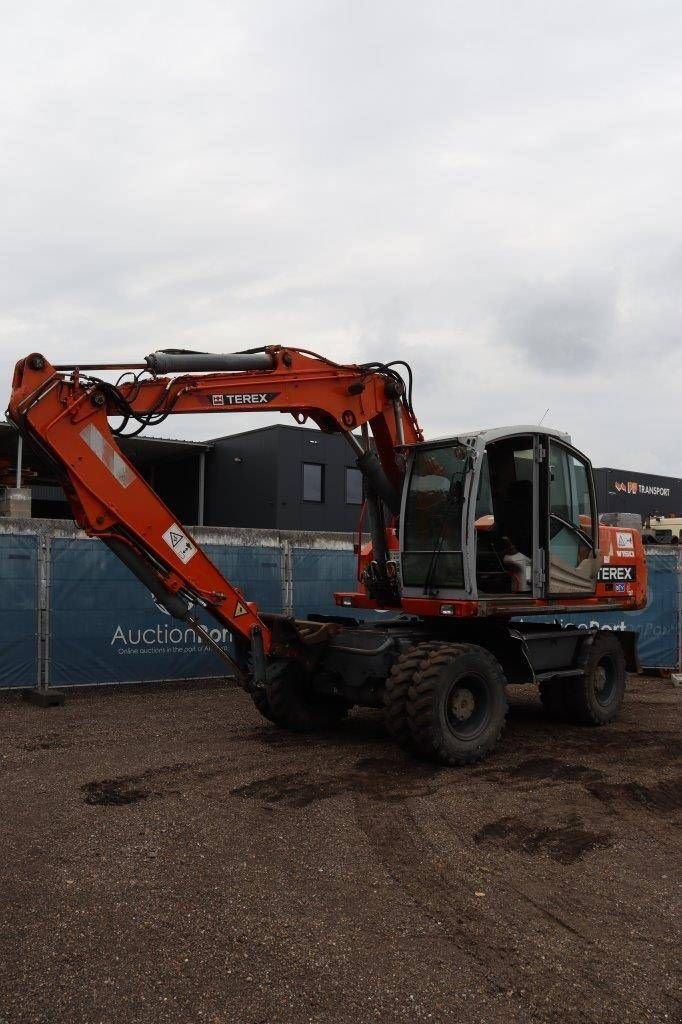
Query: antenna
[{"x": 543, "y": 416}]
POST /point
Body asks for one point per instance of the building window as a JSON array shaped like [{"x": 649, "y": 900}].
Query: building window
[
  {"x": 313, "y": 482},
  {"x": 353, "y": 486}
]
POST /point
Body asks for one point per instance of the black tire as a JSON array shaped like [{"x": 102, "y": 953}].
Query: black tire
[
  {"x": 457, "y": 704},
  {"x": 294, "y": 704},
  {"x": 596, "y": 697},
  {"x": 260, "y": 699},
  {"x": 553, "y": 697},
  {"x": 259, "y": 695},
  {"x": 396, "y": 689}
]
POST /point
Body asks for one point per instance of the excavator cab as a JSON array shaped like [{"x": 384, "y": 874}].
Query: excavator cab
[{"x": 508, "y": 513}]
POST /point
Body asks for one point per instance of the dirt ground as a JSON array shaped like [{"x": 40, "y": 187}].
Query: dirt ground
[{"x": 170, "y": 857}]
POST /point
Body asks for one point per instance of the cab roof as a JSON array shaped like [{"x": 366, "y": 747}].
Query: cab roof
[{"x": 480, "y": 438}]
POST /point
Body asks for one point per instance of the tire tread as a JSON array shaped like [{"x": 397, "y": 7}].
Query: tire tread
[
  {"x": 397, "y": 688},
  {"x": 292, "y": 709},
  {"x": 420, "y": 705},
  {"x": 579, "y": 705}
]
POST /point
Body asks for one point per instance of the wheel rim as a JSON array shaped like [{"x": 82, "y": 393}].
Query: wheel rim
[
  {"x": 604, "y": 682},
  {"x": 467, "y": 707}
]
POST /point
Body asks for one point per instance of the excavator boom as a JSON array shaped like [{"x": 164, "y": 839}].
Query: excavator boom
[{"x": 66, "y": 412}]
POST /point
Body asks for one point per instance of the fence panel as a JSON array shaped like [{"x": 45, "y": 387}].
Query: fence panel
[
  {"x": 257, "y": 571},
  {"x": 18, "y": 610},
  {"x": 658, "y": 624},
  {"x": 317, "y": 574},
  {"x": 106, "y": 628}
]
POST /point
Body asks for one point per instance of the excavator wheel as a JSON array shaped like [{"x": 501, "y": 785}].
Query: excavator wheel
[
  {"x": 457, "y": 704},
  {"x": 397, "y": 685},
  {"x": 259, "y": 696},
  {"x": 596, "y": 697},
  {"x": 260, "y": 699},
  {"x": 294, "y": 704}
]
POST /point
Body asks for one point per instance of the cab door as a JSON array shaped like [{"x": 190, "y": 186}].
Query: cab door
[
  {"x": 433, "y": 521},
  {"x": 572, "y": 560}
]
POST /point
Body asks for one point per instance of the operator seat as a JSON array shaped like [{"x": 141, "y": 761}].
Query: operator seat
[
  {"x": 517, "y": 516},
  {"x": 517, "y": 527}
]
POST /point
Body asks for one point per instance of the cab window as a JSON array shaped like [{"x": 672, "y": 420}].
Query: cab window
[
  {"x": 432, "y": 547},
  {"x": 571, "y": 514}
]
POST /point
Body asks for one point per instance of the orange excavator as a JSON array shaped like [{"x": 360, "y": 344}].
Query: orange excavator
[{"x": 470, "y": 539}]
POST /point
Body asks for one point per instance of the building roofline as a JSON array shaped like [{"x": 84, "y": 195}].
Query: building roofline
[
  {"x": 270, "y": 426},
  {"x": 635, "y": 472},
  {"x": 169, "y": 440},
  {"x": 140, "y": 438}
]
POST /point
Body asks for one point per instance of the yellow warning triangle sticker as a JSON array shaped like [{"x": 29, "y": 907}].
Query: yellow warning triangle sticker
[{"x": 239, "y": 610}]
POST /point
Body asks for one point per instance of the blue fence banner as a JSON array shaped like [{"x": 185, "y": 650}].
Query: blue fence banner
[
  {"x": 103, "y": 625},
  {"x": 657, "y": 625},
  {"x": 256, "y": 571},
  {"x": 18, "y": 610},
  {"x": 106, "y": 627},
  {"x": 317, "y": 574}
]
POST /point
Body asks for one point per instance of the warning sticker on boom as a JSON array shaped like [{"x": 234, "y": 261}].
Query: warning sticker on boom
[
  {"x": 179, "y": 543},
  {"x": 108, "y": 455}
]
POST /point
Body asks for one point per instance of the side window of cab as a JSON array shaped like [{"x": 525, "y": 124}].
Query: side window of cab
[{"x": 572, "y": 527}]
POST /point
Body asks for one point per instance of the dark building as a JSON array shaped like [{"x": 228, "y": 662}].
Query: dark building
[
  {"x": 279, "y": 477},
  {"x": 283, "y": 477},
  {"x": 622, "y": 490},
  {"x": 175, "y": 469}
]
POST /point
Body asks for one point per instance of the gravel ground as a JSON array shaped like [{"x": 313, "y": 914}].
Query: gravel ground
[{"x": 170, "y": 857}]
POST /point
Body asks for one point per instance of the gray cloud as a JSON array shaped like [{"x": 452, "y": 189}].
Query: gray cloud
[
  {"x": 491, "y": 191},
  {"x": 562, "y": 327}
]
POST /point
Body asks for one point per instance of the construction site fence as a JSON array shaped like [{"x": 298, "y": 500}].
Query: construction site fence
[{"x": 74, "y": 615}]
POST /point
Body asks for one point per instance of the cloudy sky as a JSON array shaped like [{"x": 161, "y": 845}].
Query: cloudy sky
[{"x": 492, "y": 191}]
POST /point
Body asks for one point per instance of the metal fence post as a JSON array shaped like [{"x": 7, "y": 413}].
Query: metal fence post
[
  {"x": 42, "y": 555},
  {"x": 42, "y": 695},
  {"x": 287, "y": 563},
  {"x": 44, "y": 605}
]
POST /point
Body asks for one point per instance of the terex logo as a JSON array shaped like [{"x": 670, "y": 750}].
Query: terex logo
[
  {"x": 618, "y": 573},
  {"x": 256, "y": 398}
]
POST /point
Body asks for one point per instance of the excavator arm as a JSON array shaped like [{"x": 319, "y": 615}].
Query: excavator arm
[{"x": 65, "y": 411}]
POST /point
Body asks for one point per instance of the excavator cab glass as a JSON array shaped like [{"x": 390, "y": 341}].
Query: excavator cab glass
[
  {"x": 432, "y": 531},
  {"x": 572, "y": 527}
]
